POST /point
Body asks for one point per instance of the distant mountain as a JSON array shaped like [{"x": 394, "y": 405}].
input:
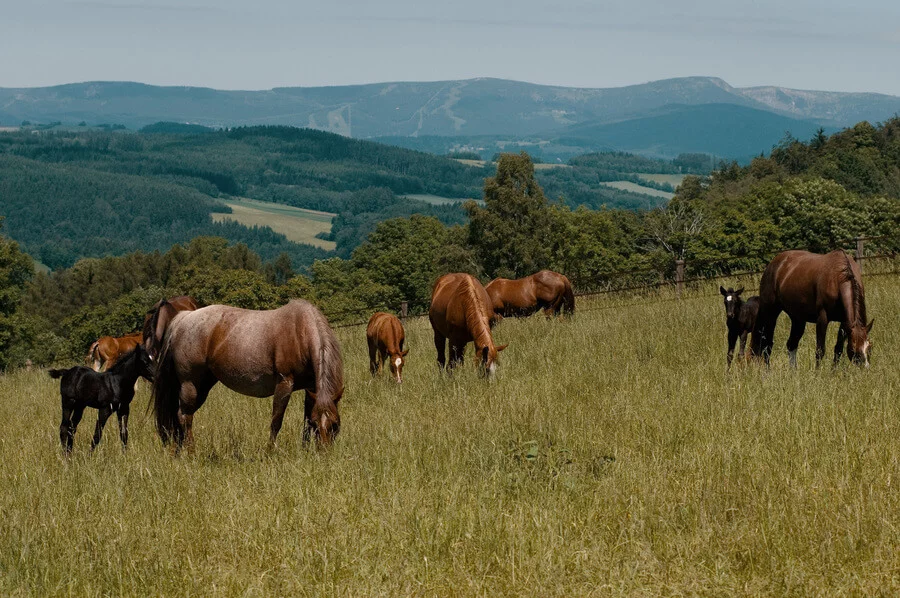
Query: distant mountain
[
  {"x": 475, "y": 107},
  {"x": 719, "y": 129}
]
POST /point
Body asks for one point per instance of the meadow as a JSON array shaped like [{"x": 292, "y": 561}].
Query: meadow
[
  {"x": 635, "y": 188},
  {"x": 613, "y": 455},
  {"x": 297, "y": 224}
]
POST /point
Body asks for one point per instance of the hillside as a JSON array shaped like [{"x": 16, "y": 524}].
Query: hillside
[{"x": 465, "y": 108}]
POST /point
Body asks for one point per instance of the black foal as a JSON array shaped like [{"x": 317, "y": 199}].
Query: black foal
[
  {"x": 110, "y": 391},
  {"x": 740, "y": 317}
]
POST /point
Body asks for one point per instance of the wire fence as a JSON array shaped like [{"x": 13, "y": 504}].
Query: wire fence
[{"x": 889, "y": 259}]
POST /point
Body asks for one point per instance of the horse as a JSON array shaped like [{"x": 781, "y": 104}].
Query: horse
[
  {"x": 106, "y": 350},
  {"x": 740, "y": 316},
  {"x": 385, "y": 337},
  {"x": 461, "y": 311},
  {"x": 813, "y": 288},
  {"x": 152, "y": 334},
  {"x": 545, "y": 290},
  {"x": 109, "y": 392},
  {"x": 267, "y": 353}
]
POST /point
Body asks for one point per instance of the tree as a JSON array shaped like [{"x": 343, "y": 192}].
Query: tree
[
  {"x": 15, "y": 271},
  {"x": 510, "y": 234}
]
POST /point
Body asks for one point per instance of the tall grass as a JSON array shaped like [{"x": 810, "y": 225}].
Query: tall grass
[{"x": 614, "y": 455}]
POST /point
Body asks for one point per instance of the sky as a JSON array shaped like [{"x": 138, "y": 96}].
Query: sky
[{"x": 234, "y": 44}]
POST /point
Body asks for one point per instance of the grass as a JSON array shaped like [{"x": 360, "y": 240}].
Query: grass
[
  {"x": 635, "y": 188},
  {"x": 438, "y": 200},
  {"x": 613, "y": 456},
  {"x": 297, "y": 224},
  {"x": 672, "y": 179}
]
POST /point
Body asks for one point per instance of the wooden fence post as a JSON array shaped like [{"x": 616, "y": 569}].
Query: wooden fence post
[
  {"x": 860, "y": 252},
  {"x": 679, "y": 277},
  {"x": 404, "y": 310}
]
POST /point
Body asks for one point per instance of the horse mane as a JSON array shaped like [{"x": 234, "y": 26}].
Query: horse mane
[
  {"x": 150, "y": 322},
  {"x": 474, "y": 309},
  {"x": 859, "y": 302},
  {"x": 330, "y": 367}
]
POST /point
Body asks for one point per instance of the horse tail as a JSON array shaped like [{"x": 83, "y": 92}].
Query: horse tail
[
  {"x": 56, "y": 373},
  {"x": 165, "y": 396},
  {"x": 568, "y": 300},
  {"x": 94, "y": 352}
]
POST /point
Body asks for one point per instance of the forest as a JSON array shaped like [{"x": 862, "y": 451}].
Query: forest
[{"x": 812, "y": 194}]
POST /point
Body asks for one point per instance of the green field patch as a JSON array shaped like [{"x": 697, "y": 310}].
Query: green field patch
[
  {"x": 297, "y": 224},
  {"x": 437, "y": 200},
  {"x": 672, "y": 179},
  {"x": 635, "y": 188}
]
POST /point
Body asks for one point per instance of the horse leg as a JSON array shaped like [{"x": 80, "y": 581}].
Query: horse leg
[
  {"x": 373, "y": 359},
  {"x": 798, "y": 327},
  {"x": 308, "y": 403},
  {"x": 191, "y": 398},
  {"x": 67, "y": 429},
  {"x": 732, "y": 339},
  {"x": 743, "y": 345},
  {"x": 104, "y": 414},
  {"x": 440, "y": 343},
  {"x": 457, "y": 352},
  {"x": 839, "y": 346},
  {"x": 122, "y": 414},
  {"x": 821, "y": 331},
  {"x": 280, "y": 401}
]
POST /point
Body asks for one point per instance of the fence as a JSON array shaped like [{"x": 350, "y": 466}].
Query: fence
[{"x": 678, "y": 281}]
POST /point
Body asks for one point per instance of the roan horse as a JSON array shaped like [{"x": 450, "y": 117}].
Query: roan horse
[
  {"x": 461, "y": 312},
  {"x": 256, "y": 353},
  {"x": 740, "y": 317},
  {"x": 106, "y": 350},
  {"x": 151, "y": 334},
  {"x": 109, "y": 392},
  {"x": 813, "y": 288},
  {"x": 545, "y": 290},
  {"x": 385, "y": 337}
]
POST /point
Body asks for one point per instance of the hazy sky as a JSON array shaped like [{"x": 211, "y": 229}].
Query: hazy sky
[{"x": 234, "y": 44}]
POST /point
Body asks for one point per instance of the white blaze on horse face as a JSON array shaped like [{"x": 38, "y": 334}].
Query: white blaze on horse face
[
  {"x": 728, "y": 298},
  {"x": 398, "y": 362},
  {"x": 492, "y": 369}
]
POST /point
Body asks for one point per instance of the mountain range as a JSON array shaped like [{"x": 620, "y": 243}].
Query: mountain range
[{"x": 692, "y": 114}]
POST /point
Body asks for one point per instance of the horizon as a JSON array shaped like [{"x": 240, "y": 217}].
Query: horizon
[
  {"x": 236, "y": 46},
  {"x": 426, "y": 81}
]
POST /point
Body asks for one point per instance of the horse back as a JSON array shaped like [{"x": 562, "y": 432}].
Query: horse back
[
  {"x": 385, "y": 331},
  {"x": 803, "y": 284},
  {"x": 456, "y": 302}
]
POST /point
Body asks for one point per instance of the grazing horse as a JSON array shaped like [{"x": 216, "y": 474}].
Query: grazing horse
[
  {"x": 813, "y": 288},
  {"x": 152, "y": 333},
  {"x": 545, "y": 290},
  {"x": 106, "y": 350},
  {"x": 461, "y": 312},
  {"x": 740, "y": 316},
  {"x": 109, "y": 392},
  {"x": 385, "y": 337},
  {"x": 256, "y": 353}
]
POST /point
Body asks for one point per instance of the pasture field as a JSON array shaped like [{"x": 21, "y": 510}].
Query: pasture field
[
  {"x": 635, "y": 188},
  {"x": 438, "y": 200},
  {"x": 537, "y": 166},
  {"x": 297, "y": 224},
  {"x": 672, "y": 179},
  {"x": 614, "y": 455}
]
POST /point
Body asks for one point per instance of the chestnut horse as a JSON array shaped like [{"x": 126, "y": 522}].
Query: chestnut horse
[
  {"x": 545, "y": 290},
  {"x": 152, "y": 335},
  {"x": 813, "y": 288},
  {"x": 385, "y": 337},
  {"x": 256, "y": 353},
  {"x": 106, "y": 350},
  {"x": 461, "y": 312}
]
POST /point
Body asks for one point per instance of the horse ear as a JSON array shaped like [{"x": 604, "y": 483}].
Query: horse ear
[
  {"x": 404, "y": 352},
  {"x": 722, "y": 290},
  {"x": 739, "y": 291},
  {"x": 501, "y": 347},
  {"x": 869, "y": 326}
]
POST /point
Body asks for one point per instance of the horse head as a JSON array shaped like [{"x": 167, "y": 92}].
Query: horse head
[
  {"x": 398, "y": 360},
  {"x": 488, "y": 359},
  {"x": 733, "y": 301},
  {"x": 324, "y": 421},
  {"x": 859, "y": 347},
  {"x": 145, "y": 363}
]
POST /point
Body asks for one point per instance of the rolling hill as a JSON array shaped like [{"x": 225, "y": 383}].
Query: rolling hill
[{"x": 464, "y": 108}]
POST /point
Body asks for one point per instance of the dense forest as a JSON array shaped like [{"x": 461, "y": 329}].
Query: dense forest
[
  {"x": 89, "y": 193},
  {"x": 812, "y": 195}
]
